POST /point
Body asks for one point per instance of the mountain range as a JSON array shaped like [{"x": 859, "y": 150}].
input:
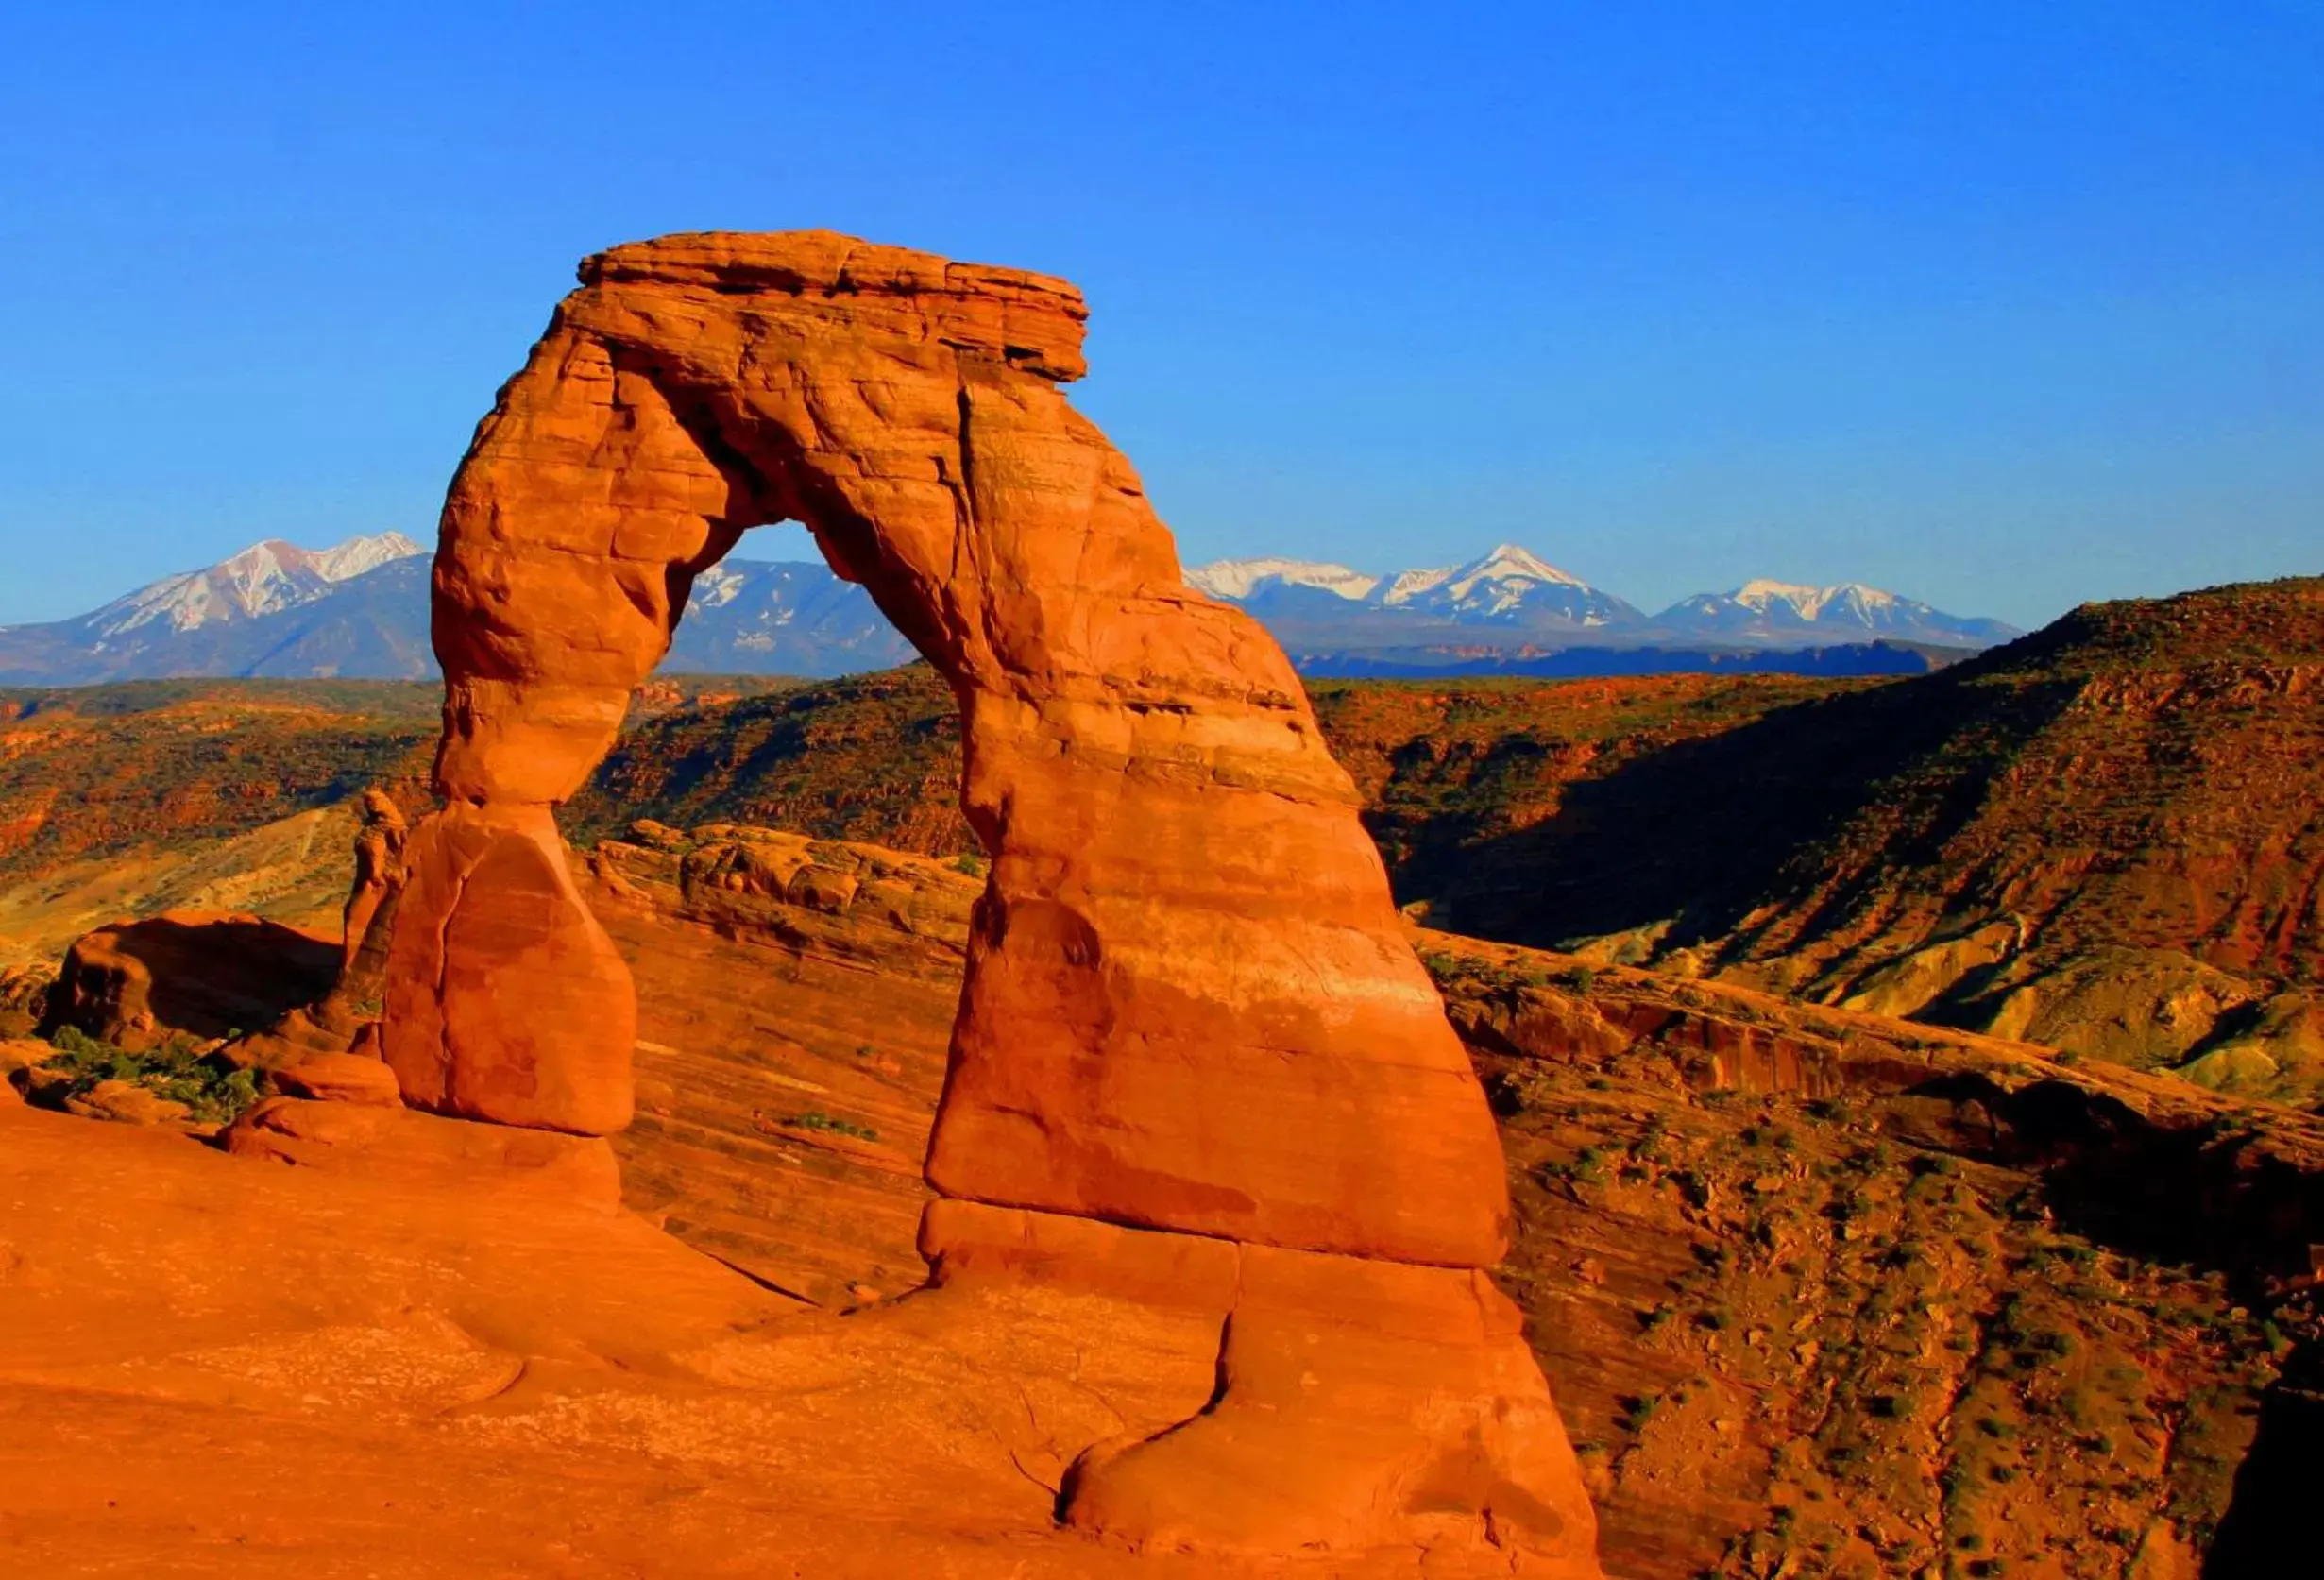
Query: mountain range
[
  {"x": 1511, "y": 591},
  {"x": 356, "y": 611},
  {"x": 360, "y": 609}
]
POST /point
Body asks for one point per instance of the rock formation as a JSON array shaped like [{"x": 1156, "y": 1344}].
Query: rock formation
[
  {"x": 185, "y": 974},
  {"x": 1195, "y": 1063},
  {"x": 23, "y": 999},
  {"x": 1758, "y": 1243},
  {"x": 379, "y": 872},
  {"x": 345, "y": 1019}
]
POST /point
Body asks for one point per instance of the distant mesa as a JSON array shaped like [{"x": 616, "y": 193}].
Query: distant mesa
[{"x": 360, "y": 611}]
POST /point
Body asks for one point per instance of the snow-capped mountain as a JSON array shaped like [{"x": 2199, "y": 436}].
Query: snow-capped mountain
[
  {"x": 1512, "y": 601},
  {"x": 1770, "y": 611},
  {"x": 772, "y": 617},
  {"x": 1240, "y": 581},
  {"x": 1508, "y": 586},
  {"x": 360, "y": 610},
  {"x": 261, "y": 579}
]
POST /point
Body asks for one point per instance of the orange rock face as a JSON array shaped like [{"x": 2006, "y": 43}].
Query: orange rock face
[
  {"x": 1188, "y": 1006},
  {"x": 505, "y": 999}
]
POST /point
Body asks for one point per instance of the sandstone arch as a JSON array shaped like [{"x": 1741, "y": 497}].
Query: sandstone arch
[{"x": 1195, "y": 1059}]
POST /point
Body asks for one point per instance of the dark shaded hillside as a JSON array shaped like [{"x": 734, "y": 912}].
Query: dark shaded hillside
[
  {"x": 1444, "y": 764},
  {"x": 2108, "y": 836},
  {"x": 1707, "y": 831},
  {"x": 874, "y": 756},
  {"x": 1447, "y": 767}
]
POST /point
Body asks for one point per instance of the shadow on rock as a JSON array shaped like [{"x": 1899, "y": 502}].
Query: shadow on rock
[{"x": 201, "y": 974}]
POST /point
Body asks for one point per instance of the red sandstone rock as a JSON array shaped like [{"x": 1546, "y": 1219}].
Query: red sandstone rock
[
  {"x": 379, "y": 872},
  {"x": 127, "y": 1103},
  {"x": 21, "y": 1053},
  {"x": 762, "y": 1023},
  {"x": 1149, "y": 1001},
  {"x": 1146, "y": 997},
  {"x": 199, "y": 973},
  {"x": 348, "y": 1014},
  {"x": 341, "y": 1078},
  {"x": 1365, "y": 1404},
  {"x": 375, "y": 1142},
  {"x": 24, "y": 997},
  {"x": 1189, "y": 1005},
  {"x": 504, "y": 998}
]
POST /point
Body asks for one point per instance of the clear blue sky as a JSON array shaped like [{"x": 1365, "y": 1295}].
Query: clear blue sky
[{"x": 2001, "y": 305}]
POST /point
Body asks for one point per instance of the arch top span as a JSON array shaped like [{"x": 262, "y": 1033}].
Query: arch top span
[
  {"x": 905, "y": 410},
  {"x": 1030, "y": 321}
]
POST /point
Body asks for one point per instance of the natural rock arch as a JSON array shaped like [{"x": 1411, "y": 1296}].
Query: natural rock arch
[{"x": 1195, "y": 1057}]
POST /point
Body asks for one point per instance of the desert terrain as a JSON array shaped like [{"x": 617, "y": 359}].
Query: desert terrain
[
  {"x": 1094, "y": 1102},
  {"x": 1812, "y": 1284}
]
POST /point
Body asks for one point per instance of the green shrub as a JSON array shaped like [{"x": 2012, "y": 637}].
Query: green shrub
[
  {"x": 815, "y": 1119},
  {"x": 214, "y": 1088}
]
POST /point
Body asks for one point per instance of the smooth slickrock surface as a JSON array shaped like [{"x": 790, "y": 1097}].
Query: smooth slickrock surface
[
  {"x": 222, "y": 1367},
  {"x": 1741, "y": 1222},
  {"x": 1188, "y": 1005}
]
